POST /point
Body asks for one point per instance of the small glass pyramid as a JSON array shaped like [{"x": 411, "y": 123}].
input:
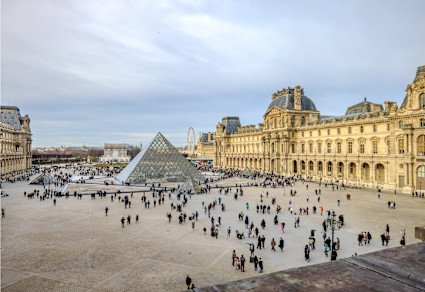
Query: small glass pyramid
[
  {"x": 159, "y": 162},
  {"x": 43, "y": 179},
  {"x": 192, "y": 186}
]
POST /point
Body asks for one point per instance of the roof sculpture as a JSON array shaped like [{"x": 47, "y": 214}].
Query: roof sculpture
[{"x": 160, "y": 161}]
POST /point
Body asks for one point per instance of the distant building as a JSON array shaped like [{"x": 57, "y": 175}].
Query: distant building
[
  {"x": 115, "y": 153},
  {"x": 205, "y": 147},
  {"x": 16, "y": 141}
]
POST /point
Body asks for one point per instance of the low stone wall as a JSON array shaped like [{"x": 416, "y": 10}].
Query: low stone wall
[{"x": 420, "y": 232}]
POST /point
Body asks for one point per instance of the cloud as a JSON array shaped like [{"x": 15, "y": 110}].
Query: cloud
[{"x": 100, "y": 71}]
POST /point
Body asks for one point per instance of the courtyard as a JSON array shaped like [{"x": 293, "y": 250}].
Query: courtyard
[{"x": 73, "y": 246}]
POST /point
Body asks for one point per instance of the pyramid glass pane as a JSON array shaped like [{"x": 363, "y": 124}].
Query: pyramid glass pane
[{"x": 160, "y": 161}]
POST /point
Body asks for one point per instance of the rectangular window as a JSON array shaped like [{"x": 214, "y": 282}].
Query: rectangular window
[
  {"x": 339, "y": 147},
  {"x": 302, "y": 148},
  {"x": 329, "y": 132},
  {"x": 319, "y": 133},
  {"x": 319, "y": 148},
  {"x": 361, "y": 146},
  {"x": 302, "y": 134},
  {"x": 329, "y": 147},
  {"x": 400, "y": 124},
  {"x": 349, "y": 130},
  {"x": 339, "y": 131},
  {"x": 401, "y": 146},
  {"x": 361, "y": 129},
  {"x": 311, "y": 147},
  {"x": 350, "y": 147},
  {"x": 422, "y": 123},
  {"x": 293, "y": 148},
  {"x": 388, "y": 147},
  {"x": 388, "y": 127},
  {"x": 375, "y": 147},
  {"x": 311, "y": 133},
  {"x": 374, "y": 128}
]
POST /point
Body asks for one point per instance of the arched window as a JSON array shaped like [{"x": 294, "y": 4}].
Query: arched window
[
  {"x": 303, "y": 165},
  {"x": 320, "y": 166},
  {"x": 302, "y": 121},
  {"x": 421, "y": 145},
  {"x": 329, "y": 167},
  {"x": 311, "y": 165},
  {"x": 422, "y": 100}
]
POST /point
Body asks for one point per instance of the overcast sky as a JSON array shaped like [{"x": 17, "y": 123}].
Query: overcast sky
[{"x": 120, "y": 71}]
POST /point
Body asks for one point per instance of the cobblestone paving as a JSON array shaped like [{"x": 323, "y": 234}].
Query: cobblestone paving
[{"x": 73, "y": 246}]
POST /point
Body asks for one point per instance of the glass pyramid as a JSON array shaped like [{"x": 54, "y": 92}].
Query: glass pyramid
[
  {"x": 159, "y": 162},
  {"x": 43, "y": 179},
  {"x": 246, "y": 172},
  {"x": 191, "y": 185}
]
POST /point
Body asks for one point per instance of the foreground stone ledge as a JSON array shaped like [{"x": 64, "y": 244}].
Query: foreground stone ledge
[{"x": 394, "y": 269}]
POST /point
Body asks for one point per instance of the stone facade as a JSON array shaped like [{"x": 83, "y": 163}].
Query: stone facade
[
  {"x": 205, "y": 146},
  {"x": 371, "y": 145},
  {"x": 115, "y": 153},
  {"x": 15, "y": 142}
]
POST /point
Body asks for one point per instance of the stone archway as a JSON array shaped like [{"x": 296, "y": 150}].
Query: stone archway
[
  {"x": 365, "y": 171},
  {"x": 380, "y": 173},
  {"x": 420, "y": 178},
  {"x": 340, "y": 169},
  {"x": 352, "y": 171}
]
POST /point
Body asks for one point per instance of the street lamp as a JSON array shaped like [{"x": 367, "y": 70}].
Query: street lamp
[{"x": 332, "y": 223}]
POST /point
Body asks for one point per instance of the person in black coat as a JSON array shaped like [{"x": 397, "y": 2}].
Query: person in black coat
[{"x": 188, "y": 281}]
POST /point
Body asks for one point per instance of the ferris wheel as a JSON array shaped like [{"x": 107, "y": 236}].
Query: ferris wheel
[{"x": 191, "y": 141}]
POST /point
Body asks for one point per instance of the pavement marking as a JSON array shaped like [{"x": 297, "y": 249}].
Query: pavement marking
[{"x": 217, "y": 259}]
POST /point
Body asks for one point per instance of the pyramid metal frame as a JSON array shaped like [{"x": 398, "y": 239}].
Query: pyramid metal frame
[
  {"x": 159, "y": 162},
  {"x": 43, "y": 179}
]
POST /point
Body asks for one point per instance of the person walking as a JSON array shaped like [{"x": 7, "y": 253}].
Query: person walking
[
  {"x": 122, "y": 221},
  {"x": 106, "y": 211},
  {"x": 260, "y": 265},
  {"x": 137, "y": 218},
  {"x": 188, "y": 281},
  {"x": 255, "y": 263},
  {"x": 128, "y": 219},
  {"x": 281, "y": 244},
  {"x": 233, "y": 257},
  {"x": 388, "y": 229},
  {"x": 242, "y": 264},
  {"x": 3, "y": 213},
  {"x": 54, "y": 202},
  {"x": 273, "y": 243}
]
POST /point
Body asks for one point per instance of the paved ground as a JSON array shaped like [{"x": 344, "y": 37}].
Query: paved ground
[{"x": 74, "y": 247}]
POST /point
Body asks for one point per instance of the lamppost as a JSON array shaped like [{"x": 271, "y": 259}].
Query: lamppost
[{"x": 332, "y": 223}]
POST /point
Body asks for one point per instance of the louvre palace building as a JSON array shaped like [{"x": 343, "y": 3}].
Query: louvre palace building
[
  {"x": 372, "y": 145},
  {"x": 16, "y": 141}
]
